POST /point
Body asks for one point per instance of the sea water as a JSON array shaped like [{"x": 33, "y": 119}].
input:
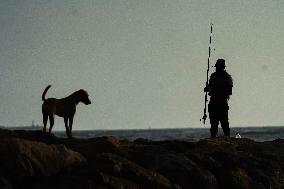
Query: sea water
[{"x": 189, "y": 134}]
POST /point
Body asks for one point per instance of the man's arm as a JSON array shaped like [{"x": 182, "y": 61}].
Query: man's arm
[
  {"x": 230, "y": 85},
  {"x": 208, "y": 87}
]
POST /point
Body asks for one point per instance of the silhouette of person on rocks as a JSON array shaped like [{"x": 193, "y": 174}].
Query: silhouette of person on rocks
[{"x": 219, "y": 89}]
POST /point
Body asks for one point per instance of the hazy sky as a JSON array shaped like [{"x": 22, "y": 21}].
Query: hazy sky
[{"x": 143, "y": 62}]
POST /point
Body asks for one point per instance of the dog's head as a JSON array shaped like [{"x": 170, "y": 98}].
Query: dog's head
[{"x": 82, "y": 96}]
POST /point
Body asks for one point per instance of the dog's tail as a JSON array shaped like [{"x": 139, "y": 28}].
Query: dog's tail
[{"x": 44, "y": 92}]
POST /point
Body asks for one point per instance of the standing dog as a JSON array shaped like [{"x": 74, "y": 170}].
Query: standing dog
[{"x": 64, "y": 107}]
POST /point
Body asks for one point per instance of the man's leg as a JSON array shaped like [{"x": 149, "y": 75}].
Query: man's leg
[
  {"x": 214, "y": 126},
  {"x": 214, "y": 121},
  {"x": 225, "y": 123},
  {"x": 214, "y": 130}
]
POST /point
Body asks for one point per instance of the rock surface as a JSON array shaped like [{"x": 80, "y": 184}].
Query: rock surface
[
  {"x": 21, "y": 159},
  {"x": 32, "y": 159}
]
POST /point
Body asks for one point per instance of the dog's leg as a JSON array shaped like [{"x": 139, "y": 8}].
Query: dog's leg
[
  {"x": 45, "y": 118},
  {"x": 70, "y": 126},
  {"x": 66, "y": 125},
  {"x": 51, "y": 121}
]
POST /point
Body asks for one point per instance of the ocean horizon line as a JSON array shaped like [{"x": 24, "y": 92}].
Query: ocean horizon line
[{"x": 35, "y": 127}]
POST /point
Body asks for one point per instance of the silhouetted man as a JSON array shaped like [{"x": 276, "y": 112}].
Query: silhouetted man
[{"x": 219, "y": 89}]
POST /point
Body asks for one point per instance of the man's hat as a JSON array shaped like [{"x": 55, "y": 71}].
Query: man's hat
[{"x": 220, "y": 63}]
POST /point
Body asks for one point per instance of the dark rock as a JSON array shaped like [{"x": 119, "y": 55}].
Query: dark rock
[
  {"x": 60, "y": 182},
  {"x": 175, "y": 166},
  {"x": 5, "y": 184},
  {"x": 123, "y": 168},
  {"x": 33, "y": 159},
  {"x": 91, "y": 147},
  {"x": 22, "y": 158}
]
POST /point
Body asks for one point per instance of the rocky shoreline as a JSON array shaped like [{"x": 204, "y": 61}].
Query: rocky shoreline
[{"x": 33, "y": 159}]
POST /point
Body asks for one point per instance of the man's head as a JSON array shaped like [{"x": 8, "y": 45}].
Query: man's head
[{"x": 220, "y": 64}]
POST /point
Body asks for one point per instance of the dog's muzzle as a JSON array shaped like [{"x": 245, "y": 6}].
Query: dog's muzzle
[{"x": 88, "y": 102}]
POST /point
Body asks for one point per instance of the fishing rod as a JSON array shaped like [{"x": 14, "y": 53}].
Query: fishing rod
[{"x": 207, "y": 76}]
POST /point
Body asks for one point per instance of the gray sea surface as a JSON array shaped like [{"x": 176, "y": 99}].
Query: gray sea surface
[{"x": 189, "y": 134}]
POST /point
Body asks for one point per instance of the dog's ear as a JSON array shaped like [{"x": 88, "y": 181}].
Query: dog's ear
[{"x": 83, "y": 91}]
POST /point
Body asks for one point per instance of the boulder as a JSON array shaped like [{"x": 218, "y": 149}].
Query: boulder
[
  {"x": 22, "y": 158},
  {"x": 140, "y": 177},
  {"x": 33, "y": 159}
]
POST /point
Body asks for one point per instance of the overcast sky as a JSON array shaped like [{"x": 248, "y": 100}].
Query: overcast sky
[{"x": 143, "y": 63}]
